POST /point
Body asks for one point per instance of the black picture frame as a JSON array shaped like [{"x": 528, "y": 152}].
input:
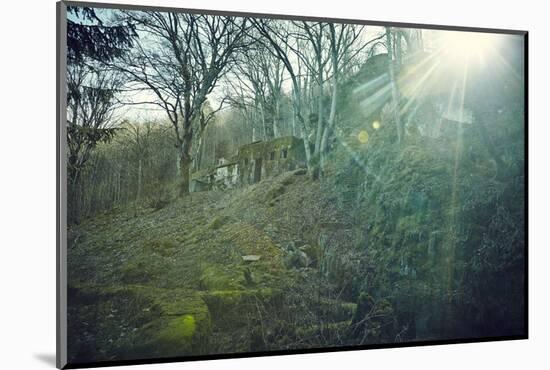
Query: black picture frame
[{"x": 61, "y": 190}]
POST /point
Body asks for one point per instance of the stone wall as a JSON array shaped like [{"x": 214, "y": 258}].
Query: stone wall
[
  {"x": 253, "y": 163},
  {"x": 265, "y": 159}
]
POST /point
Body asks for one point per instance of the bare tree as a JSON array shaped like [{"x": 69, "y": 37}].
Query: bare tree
[
  {"x": 345, "y": 46},
  {"x": 393, "y": 84},
  {"x": 257, "y": 83},
  {"x": 314, "y": 53},
  {"x": 179, "y": 60},
  {"x": 276, "y": 36},
  {"x": 140, "y": 140},
  {"x": 316, "y": 36}
]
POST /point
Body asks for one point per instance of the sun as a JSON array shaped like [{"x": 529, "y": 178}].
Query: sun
[{"x": 461, "y": 47}]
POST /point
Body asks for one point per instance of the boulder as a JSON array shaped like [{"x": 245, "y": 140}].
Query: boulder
[{"x": 251, "y": 258}]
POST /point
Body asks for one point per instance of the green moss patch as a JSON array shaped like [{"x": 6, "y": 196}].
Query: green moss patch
[
  {"x": 176, "y": 335},
  {"x": 135, "y": 273},
  {"x": 218, "y": 222},
  {"x": 138, "y": 322},
  {"x": 248, "y": 240},
  {"x": 221, "y": 278},
  {"x": 163, "y": 247},
  {"x": 234, "y": 307}
]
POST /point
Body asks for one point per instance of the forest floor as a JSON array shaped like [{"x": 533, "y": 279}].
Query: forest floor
[{"x": 173, "y": 281}]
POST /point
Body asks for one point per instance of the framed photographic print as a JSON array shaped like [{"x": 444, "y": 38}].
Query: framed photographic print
[{"x": 234, "y": 184}]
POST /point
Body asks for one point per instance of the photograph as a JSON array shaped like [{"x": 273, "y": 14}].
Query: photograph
[{"x": 248, "y": 184}]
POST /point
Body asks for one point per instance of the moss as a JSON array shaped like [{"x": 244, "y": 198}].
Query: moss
[
  {"x": 218, "y": 222},
  {"x": 182, "y": 326},
  {"x": 223, "y": 298},
  {"x": 135, "y": 273},
  {"x": 289, "y": 178},
  {"x": 275, "y": 192},
  {"x": 231, "y": 307},
  {"x": 179, "y": 330},
  {"x": 167, "y": 322},
  {"x": 249, "y": 239},
  {"x": 164, "y": 247},
  {"x": 222, "y": 278}
]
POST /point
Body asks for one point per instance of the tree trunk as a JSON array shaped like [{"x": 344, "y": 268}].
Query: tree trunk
[
  {"x": 277, "y": 120},
  {"x": 319, "y": 133},
  {"x": 199, "y": 154},
  {"x": 186, "y": 162},
  {"x": 178, "y": 169},
  {"x": 395, "y": 93},
  {"x": 73, "y": 202},
  {"x": 398, "y": 49},
  {"x": 185, "y": 167},
  {"x": 264, "y": 123},
  {"x": 138, "y": 180},
  {"x": 331, "y": 119},
  {"x": 327, "y": 132}
]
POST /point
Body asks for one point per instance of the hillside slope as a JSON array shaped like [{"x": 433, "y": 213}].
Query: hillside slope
[{"x": 178, "y": 281}]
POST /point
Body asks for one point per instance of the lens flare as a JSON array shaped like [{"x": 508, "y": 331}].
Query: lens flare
[
  {"x": 461, "y": 47},
  {"x": 363, "y": 137},
  {"x": 376, "y": 125}
]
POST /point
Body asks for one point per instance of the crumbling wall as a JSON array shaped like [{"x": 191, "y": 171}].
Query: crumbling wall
[
  {"x": 270, "y": 158},
  {"x": 254, "y": 162}
]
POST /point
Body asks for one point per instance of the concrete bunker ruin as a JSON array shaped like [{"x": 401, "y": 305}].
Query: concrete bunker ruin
[{"x": 253, "y": 163}]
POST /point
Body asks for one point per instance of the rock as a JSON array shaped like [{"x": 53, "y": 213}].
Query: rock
[
  {"x": 312, "y": 252},
  {"x": 300, "y": 172},
  {"x": 218, "y": 222},
  {"x": 291, "y": 246},
  {"x": 297, "y": 259},
  {"x": 305, "y": 261},
  {"x": 251, "y": 258}
]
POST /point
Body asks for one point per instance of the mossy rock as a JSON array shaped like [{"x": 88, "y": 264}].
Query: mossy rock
[
  {"x": 218, "y": 222},
  {"x": 139, "y": 321},
  {"x": 183, "y": 326},
  {"x": 232, "y": 307},
  {"x": 251, "y": 240},
  {"x": 215, "y": 277},
  {"x": 163, "y": 247},
  {"x": 135, "y": 273},
  {"x": 112, "y": 316},
  {"x": 296, "y": 259},
  {"x": 173, "y": 336}
]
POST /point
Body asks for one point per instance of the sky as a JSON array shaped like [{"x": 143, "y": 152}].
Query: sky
[{"x": 464, "y": 45}]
